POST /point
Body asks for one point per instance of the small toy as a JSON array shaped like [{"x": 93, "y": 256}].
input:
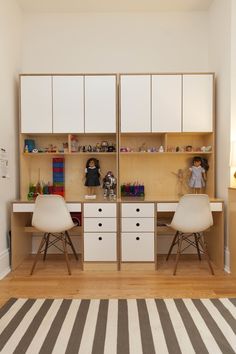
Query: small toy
[{"x": 109, "y": 185}]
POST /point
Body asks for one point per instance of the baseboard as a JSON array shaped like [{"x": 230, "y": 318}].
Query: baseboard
[
  {"x": 4, "y": 263},
  {"x": 227, "y": 260}
]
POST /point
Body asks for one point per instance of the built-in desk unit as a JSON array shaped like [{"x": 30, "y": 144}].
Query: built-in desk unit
[
  {"x": 153, "y": 123},
  {"x": 117, "y": 235}
]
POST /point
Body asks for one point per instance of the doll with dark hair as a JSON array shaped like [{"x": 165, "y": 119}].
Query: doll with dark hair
[
  {"x": 92, "y": 175},
  {"x": 197, "y": 175}
]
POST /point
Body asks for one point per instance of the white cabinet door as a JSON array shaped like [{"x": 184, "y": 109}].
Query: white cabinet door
[
  {"x": 198, "y": 103},
  {"x": 135, "y": 103},
  {"x": 68, "y": 104},
  {"x": 36, "y": 104},
  {"x": 166, "y": 103},
  {"x": 100, "y": 104}
]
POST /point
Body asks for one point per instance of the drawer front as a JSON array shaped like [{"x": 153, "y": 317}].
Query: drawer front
[
  {"x": 173, "y": 206},
  {"x": 100, "y": 247},
  {"x": 143, "y": 210},
  {"x": 95, "y": 210},
  {"x": 137, "y": 247},
  {"x": 100, "y": 224},
  {"x": 137, "y": 224},
  {"x": 216, "y": 206},
  {"x": 166, "y": 206}
]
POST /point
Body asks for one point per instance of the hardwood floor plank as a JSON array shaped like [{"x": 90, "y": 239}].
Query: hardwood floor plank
[{"x": 51, "y": 280}]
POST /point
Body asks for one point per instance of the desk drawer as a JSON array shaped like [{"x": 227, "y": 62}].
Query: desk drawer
[
  {"x": 100, "y": 247},
  {"x": 143, "y": 210},
  {"x": 172, "y": 206},
  {"x": 93, "y": 210},
  {"x": 100, "y": 224},
  {"x": 137, "y": 247},
  {"x": 137, "y": 224}
]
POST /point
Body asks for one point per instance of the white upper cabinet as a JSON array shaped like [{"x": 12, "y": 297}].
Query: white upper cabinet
[
  {"x": 166, "y": 103},
  {"x": 135, "y": 103},
  {"x": 198, "y": 103},
  {"x": 36, "y": 104},
  {"x": 68, "y": 104},
  {"x": 100, "y": 104}
]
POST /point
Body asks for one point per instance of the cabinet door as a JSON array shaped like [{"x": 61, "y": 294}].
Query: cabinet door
[
  {"x": 100, "y": 104},
  {"x": 198, "y": 103},
  {"x": 135, "y": 103},
  {"x": 36, "y": 104},
  {"x": 166, "y": 103},
  {"x": 68, "y": 104}
]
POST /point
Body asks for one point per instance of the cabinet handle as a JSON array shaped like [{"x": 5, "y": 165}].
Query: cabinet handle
[
  {"x": 100, "y": 238},
  {"x": 137, "y": 210},
  {"x": 137, "y": 224},
  {"x": 137, "y": 238},
  {"x": 100, "y": 209},
  {"x": 100, "y": 224}
]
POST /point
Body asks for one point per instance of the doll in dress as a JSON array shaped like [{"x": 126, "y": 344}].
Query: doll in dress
[
  {"x": 92, "y": 176},
  {"x": 197, "y": 179}
]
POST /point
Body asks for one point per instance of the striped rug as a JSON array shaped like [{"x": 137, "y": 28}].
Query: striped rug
[{"x": 118, "y": 326}]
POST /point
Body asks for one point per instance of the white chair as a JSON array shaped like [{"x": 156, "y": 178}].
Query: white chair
[
  {"x": 192, "y": 217},
  {"x": 52, "y": 217}
]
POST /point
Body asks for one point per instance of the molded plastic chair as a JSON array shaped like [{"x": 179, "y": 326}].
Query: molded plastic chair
[
  {"x": 192, "y": 217},
  {"x": 52, "y": 217}
]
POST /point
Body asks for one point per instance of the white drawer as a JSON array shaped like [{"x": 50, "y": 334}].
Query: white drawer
[
  {"x": 166, "y": 206},
  {"x": 100, "y": 247},
  {"x": 137, "y": 247},
  {"x": 215, "y": 206},
  {"x": 93, "y": 210},
  {"x": 143, "y": 210},
  {"x": 100, "y": 224},
  {"x": 29, "y": 207},
  {"x": 23, "y": 207},
  {"x": 137, "y": 224}
]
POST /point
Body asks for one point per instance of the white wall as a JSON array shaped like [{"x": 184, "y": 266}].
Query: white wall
[
  {"x": 220, "y": 63},
  {"x": 10, "y": 49},
  {"x": 121, "y": 42}
]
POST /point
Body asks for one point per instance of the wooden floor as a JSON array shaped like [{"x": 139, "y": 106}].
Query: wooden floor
[{"x": 51, "y": 280}]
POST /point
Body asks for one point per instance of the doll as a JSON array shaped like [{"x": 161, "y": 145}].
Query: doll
[
  {"x": 92, "y": 175},
  {"x": 197, "y": 175}
]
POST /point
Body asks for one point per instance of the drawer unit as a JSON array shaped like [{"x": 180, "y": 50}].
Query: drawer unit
[
  {"x": 100, "y": 247},
  {"x": 137, "y": 247},
  {"x": 137, "y": 224},
  {"x": 96, "y": 210},
  {"x": 132, "y": 210},
  {"x": 137, "y": 232},
  {"x": 100, "y": 224}
]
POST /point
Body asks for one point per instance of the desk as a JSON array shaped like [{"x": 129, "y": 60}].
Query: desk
[{"x": 21, "y": 229}]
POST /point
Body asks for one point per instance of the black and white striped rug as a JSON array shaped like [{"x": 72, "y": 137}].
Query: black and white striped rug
[{"x": 118, "y": 326}]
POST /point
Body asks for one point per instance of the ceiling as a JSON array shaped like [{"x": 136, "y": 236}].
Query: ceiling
[{"x": 113, "y": 5}]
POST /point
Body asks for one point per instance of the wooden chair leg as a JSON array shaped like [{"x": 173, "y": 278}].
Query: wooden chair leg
[
  {"x": 38, "y": 253},
  {"x": 63, "y": 239},
  {"x": 197, "y": 246},
  {"x": 180, "y": 239},
  {"x": 204, "y": 247},
  {"x": 46, "y": 246},
  {"x": 71, "y": 245},
  {"x": 172, "y": 245}
]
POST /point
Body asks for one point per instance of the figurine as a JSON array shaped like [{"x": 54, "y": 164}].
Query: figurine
[
  {"x": 197, "y": 175},
  {"x": 109, "y": 185},
  {"x": 92, "y": 176}
]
